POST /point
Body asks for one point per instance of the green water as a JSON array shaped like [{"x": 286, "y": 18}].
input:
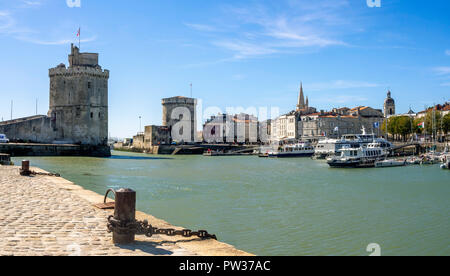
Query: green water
[{"x": 280, "y": 206}]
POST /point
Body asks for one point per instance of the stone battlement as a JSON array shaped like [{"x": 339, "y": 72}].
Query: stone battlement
[
  {"x": 78, "y": 70},
  {"x": 179, "y": 100}
]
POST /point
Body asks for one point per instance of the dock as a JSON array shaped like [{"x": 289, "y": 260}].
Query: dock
[{"x": 51, "y": 216}]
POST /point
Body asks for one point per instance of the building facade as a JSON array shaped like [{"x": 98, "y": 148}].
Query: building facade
[
  {"x": 334, "y": 125},
  {"x": 241, "y": 128}
]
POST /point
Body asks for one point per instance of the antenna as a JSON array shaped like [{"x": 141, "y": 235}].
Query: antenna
[
  {"x": 11, "y": 110},
  {"x": 191, "y": 89}
]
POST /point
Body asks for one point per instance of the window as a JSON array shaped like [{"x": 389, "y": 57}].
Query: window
[
  {"x": 89, "y": 84},
  {"x": 92, "y": 115}
]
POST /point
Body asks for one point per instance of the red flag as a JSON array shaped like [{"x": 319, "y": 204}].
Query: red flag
[{"x": 79, "y": 32}]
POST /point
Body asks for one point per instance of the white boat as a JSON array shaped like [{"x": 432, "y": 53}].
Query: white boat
[
  {"x": 300, "y": 149},
  {"x": 413, "y": 161},
  {"x": 446, "y": 162},
  {"x": 330, "y": 147},
  {"x": 390, "y": 163},
  {"x": 360, "y": 157}
]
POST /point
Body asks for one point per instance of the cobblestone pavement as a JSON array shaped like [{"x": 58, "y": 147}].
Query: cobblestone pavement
[{"x": 38, "y": 217}]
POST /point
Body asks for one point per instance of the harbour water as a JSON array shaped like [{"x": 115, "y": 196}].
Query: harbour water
[{"x": 280, "y": 206}]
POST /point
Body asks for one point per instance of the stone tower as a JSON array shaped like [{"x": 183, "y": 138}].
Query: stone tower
[
  {"x": 79, "y": 100},
  {"x": 179, "y": 114},
  {"x": 389, "y": 105}
]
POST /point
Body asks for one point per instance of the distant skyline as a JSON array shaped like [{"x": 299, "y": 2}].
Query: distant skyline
[{"x": 235, "y": 53}]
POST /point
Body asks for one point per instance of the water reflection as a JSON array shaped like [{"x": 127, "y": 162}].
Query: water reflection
[{"x": 123, "y": 157}]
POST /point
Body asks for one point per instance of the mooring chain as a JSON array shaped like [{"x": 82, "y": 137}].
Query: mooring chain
[
  {"x": 28, "y": 173},
  {"x": 143, "y": 228},
  {"x": 45, "y": 174}
]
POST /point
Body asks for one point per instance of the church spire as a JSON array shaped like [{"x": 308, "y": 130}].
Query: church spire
[
  {"x": 307, "y": 102},
  {"x": 301, "y": 98}
]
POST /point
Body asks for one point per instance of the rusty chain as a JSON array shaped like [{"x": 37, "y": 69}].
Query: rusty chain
[
  {"x": 45, "y": 174},
  {"x": 144, "y": 228},
  {"x": 28, "y": 173}
]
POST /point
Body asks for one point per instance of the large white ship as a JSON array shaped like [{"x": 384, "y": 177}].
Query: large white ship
[
  {"x": 361, "y": 157},
  {"x": 331, "y": 147}
]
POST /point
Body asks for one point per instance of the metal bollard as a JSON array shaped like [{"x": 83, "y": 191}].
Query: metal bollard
[
  {"x": 125, "y": 212},
  {"x": 25, "y": 170}
]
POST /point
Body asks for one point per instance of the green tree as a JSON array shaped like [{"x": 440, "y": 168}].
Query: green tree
[
  {"x": 403, "y": 126},
  {"x": 398, "y": 127},
  {"x": 446, "y": 123}
]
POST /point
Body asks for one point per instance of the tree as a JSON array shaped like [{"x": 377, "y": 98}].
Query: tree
[
  {"x": 446, "y": 123},
  {"x": 403, "y": 126},
  {"x": 398, "y": 126}
]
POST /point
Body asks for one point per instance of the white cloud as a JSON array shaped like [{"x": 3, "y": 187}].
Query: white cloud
[
  {"x": 447, "y": 52},
  {"x": 201, "y": 27},
  {"x": 32, "y": 3},
  {"x": 238, "y": 77},
  {"x": 261, "y": 30},
  {"x": 342, "y": 99},
  {"x": 55, "y": 42},
  {"x": 442, "y": 70},
  {"x": 9, "y": 26},
  {"x": 6, "y": 22},
  {"x": 244, "y": 49},
  {"x": 341, "y": 84}
]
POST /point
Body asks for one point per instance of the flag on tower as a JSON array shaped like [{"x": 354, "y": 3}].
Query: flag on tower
[{"x": 79, "y": 32}]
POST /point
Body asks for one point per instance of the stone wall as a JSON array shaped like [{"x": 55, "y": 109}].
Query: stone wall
[
  {"x": 156, "y": 135},
  {"x": 35, "y": 129}
]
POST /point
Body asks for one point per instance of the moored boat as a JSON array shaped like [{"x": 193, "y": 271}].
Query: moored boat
[
  {"x": 300, "y": 149},
  {"x": 330, "y": 147},
  {"x": 363, "y": 157},
  {"x": 390, "y": 163}
]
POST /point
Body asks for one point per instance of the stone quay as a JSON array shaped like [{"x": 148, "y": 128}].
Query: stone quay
[{"x": 51, "y": 216}]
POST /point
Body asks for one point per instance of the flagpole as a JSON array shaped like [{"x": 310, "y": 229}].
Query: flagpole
[{"x": 79, "y": 38}]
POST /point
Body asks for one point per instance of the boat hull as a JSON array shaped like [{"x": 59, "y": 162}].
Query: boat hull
[
  {"x": 351, "y": 164},
  {"x": 289, "y": 155}
]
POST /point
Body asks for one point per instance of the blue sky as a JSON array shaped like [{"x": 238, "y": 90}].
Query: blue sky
[{"x": 236, "y": 53}]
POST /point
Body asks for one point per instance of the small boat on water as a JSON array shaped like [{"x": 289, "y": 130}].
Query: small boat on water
[
  {"x": 363, "y": 157},
  {"x": 390, "y": 163},
  {"x": 446, "y": 162},
  {"x": 222, "y": 153},
  {"x": 300, "y": 149},
  {"x": 413, "y": 161}
]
